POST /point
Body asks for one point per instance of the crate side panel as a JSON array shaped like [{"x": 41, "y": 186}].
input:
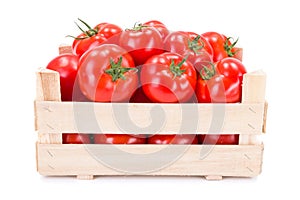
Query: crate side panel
[
  {"x": 85, "y": 117},
  {"x": 229, "y": 160}
]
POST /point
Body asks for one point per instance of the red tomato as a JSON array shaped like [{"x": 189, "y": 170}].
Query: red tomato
[
  {"x": 168, "y": 78},
  {"x": 119, "y": 139},
  {"x": 220, "y": 44},
  {"x": 190, "y": 45},
  {"x": 100, "y": 34},
  {"x": 107, "y": 74},
  {"x": 219, "y": 139},
  {"x": 218, "y": 89},
  {"x": 75, "y": 138},
  {"x": 201, "y": 41},
  {"x": 67, "y": 66},
  {"x": 142, "y": 42},
  {"x": 173, "y": 139},
  {"x": 223, "y": 85},
  {"x": 159, "y": 26},
  {"x": 231, "y": 67},
  {"x": 110, "y": 31},
  {"x": 84, "y": 43}
]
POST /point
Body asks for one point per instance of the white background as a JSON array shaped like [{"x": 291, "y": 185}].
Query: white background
[{"x": 31, "y": 31}]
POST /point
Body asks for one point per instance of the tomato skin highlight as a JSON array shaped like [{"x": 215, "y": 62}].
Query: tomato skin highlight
[
  {"x": 94, "y": 80},
  {"x": 231, "y": 68},
  {"x": 80, "y": 46},
  {"x": 190, "y": 45},
  {"x": 228, "y": 139},
  {"x": 173, "y": 139},
  {"x": 161, "y": 85},
  {"x": 142, "y": 44},
  {"x": 67, "y": 67},
  {"x": 217, "y": 42},
  {"x": 119, "y": 139},
  {"x": 162, "y": 29},
  {"x": 109, "y": 31},
  {"x": 75, "y": 138},
  {"x": 225, "y": 84},
  {"x": 218, "y": 89}
]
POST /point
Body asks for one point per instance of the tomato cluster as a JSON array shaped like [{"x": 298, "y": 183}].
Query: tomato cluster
[
  {"x": 150, "y": 64},
  {"x": 74, "y": 138}
]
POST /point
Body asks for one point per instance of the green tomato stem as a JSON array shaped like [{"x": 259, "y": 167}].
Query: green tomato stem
[
  {"x": 207, "y": 73},
  {"x": 176, "y": 69},
  {"x": 228, "y": 47},
  {"x": 117, "y": 71}
]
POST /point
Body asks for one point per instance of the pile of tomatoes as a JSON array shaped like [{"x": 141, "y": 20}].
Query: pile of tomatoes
[{"x": 150, "y": 64}]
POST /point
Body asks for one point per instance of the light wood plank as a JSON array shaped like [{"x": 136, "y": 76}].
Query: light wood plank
[
  {"x": 88, "y": 117},
  {"x": 48, "y": 89},
  {"x": 264, "y": 129},
  {"x": 213, "y": 177},
  {"x": 47, "y": 85},
  {"x": 254, "y": 87},
  {"x": 224, "y": 160},
  {"x": 64, "y": 48},
  {"x": 85, "y": 177}
]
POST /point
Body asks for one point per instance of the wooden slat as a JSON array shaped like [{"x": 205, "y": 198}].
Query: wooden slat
[
  {"x": 64, "y": 48},
  {"x": 47, "y": 89},
  {"x": 179, "y": 160},
  {"x": 254, "y": 87},
  {"x": 88, "y": 117},
  {"x": 47, "y": 85},
  {"x": 264, "y": 129}
]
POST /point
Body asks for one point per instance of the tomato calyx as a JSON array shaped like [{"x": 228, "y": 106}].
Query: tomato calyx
[
  {"x": 137, "y": 27},
  {"x": 176, "y": 69},
  {"x": 86, "y": 34},
  {"x": 207, "y": 73},
  {"x": 229, "y": 47},
  {"x": 194, "y": 46},
  {"x": 117, "y": 71}
]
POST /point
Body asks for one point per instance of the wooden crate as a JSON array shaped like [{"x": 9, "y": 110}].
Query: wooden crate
[{"x": 53, "y": 117}]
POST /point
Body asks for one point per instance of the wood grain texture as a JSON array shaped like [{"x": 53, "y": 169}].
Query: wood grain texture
[
  {"x": 221, "y": 160},
  {"x": 64, "y": 48},
  {"x": 47, "y": 89},
  {"x": 47, "y": 85},
  {"x": 254, "y": 88},
  {"x": 88, "y": 117}
]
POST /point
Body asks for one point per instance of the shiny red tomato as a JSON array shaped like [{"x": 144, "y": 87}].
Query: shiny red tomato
[
  {"x": 142, "y": 42},
  {"x": 220, "y": 44},
  {"x": 84, "y": 43},
  {"x": 219, "y": 139},
  {"x": 168, "y": 78},
  {"x": 196, "y": 39},
  {"x": 159, "y": 26},
  {"x": 188, "y": 44},
  {"x": 221, "y": 85},
  {"x": 88, "y": 39},
  {"x": 231, "y": 67},
  {"x": 107, "y": 74},
  {"x": 218, "y": 89},
  {"x": 92, "y": 37},
  {"x": 119, "y": 139},
  {"x": 75, "y": 138},
  {"x": 173, "y": 139},
  {"x": 67, "y": 66},
  {"x": 110, "y": 31}
]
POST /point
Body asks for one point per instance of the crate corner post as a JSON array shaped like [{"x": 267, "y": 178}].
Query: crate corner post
[
  {"x": 48, "y": 89},
  {"x": 254, "y": 88}
]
